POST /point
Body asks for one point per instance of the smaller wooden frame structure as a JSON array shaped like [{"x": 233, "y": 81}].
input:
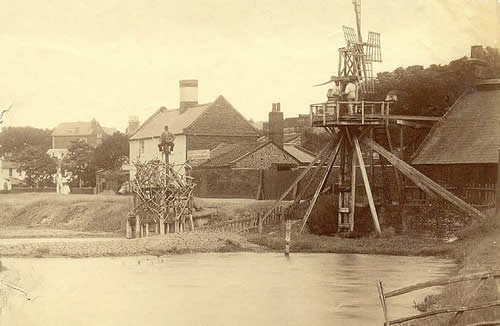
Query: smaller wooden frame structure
[
  {"x": 458, "y": 311},
  {"x": 163, "y": 198}
]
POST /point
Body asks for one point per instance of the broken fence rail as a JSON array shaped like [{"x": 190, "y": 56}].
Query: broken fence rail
[
  {"x": 247, "y": 224},
  {"x": 468, "y": 306}
]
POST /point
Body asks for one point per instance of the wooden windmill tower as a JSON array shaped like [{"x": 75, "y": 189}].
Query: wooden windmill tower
[{"x": 352, "y": 129}]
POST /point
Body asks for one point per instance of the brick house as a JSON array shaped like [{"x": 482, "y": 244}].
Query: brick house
[{"x": 198, "y": 128}]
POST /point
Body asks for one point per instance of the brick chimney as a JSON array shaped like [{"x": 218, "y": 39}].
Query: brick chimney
[
  {"x": 133, "y": 124},
  {"x": 188, "y": 93},
  {"x": 276, "y": 125}
]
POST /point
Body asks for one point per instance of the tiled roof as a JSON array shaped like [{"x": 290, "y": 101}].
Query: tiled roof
[
  {"x": 227, "y": 153},
  {"x": 176, "y": 121},
  {"x": 467, "y": 133},
  {"x": 80, "y": 128}
]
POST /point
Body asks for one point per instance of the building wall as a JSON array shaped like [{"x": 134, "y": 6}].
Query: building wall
[
  {"x": 60, "y": 142},
  {"x": 226, "y": 183},
  {"x": 460, "y": 173},
  {"x": 264, "y": 158}
]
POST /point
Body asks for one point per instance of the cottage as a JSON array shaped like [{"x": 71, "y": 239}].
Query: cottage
[
  {"x": 462, "y": 148},
  {"x": 67, "y": 132},
  {"x": 10, "y": 174},
  {"x": 198, "y": 128}
]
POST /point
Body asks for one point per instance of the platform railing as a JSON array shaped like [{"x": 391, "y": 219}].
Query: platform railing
[{"x": 338, "y": 111}]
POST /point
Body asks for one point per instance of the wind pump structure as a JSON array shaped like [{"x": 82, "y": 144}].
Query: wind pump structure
[{"x": 354, "y": 127}]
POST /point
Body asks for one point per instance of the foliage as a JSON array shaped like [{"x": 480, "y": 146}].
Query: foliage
[
  {"x": 432, "y": 90},
  {"x": 112, "y": 152},
  {"x": 16, "y": 139},
  {"x": 39, "y": 167},
  {"x": 79, "y": 161}
]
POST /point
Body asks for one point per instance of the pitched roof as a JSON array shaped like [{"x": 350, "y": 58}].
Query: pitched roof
[
  {"x": 175, "y": 119},
  {"x": 301, "y": 154},
  {"x": 467, "y": 133},
  {"x": 8, "y": 164},
  {"x": 79, "y": 128},
  {"x": 228, "y": 153}
]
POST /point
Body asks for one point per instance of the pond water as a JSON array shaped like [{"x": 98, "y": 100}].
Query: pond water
[{"x": 214, "y": 289}]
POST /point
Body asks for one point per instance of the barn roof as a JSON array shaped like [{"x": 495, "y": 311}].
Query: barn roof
[
  {"x": 467, "y": 133},
  {"x": 176, "y": 120},
  {"x": 225, "y": 154}
]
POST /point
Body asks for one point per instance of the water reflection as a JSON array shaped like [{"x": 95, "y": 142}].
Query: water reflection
[{"x": 214, "y": 289}]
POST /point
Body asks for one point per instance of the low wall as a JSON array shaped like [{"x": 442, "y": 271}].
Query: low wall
[{"x": 17, "y": 190}]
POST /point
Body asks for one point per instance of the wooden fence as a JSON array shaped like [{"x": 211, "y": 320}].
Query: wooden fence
[
  {"x": 248, "y": 224},
  {"x": 467, "y": 305},
  {"x": 478, "y": 195}
]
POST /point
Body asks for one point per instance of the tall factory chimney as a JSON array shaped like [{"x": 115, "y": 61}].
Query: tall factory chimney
[
  {"x": 276, "y": 125},
  {"x": 188, "y": 93}
]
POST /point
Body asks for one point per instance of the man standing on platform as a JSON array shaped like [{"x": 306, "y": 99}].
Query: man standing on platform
[
  {"x": 333, "y": 96},
  {"x": 350, "y": 92}
]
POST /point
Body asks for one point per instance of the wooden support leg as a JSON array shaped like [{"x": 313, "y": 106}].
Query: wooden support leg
[
  {"x": 147, "y": 229},
  {"x": 367, "y": 185},
  {"x": 321, "y": 185},
  {"x": 300, "y": 177},
  {"x": 353, "y": 191},
  {"x": 396, "y": 174},
  {"x": 157, "y": 228},
  {"x": 304, "y": 190},
  {"x": 422, "y": 181},
  {"x": 162, "y": 226},
  {"x": 168, "y": 227}
]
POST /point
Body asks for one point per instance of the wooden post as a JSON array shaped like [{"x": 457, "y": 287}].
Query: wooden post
[
  {"x": 498, "y": 186},
  {"x": 168, "y": 228},
  {"x": 288, "y": 236},
  {"x": 157, "y": 228},
  {"x": 383, "y": 303},
  {"x": 137, "y": 226},
  {"x": 128, "y": 229},
  {"x": 353, "y": 191},
  {"x": 147, "y": 229},
  {"x": 191, "y": 221},
  {"x": 367, "y": 186},
  {"x": 261, "y": 222}
]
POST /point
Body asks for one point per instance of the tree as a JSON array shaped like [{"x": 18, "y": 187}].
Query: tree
[
  {"x": 16, "y": 139},
  {"x": 79, "y": 161},
  {"x": 39, "y": 167},
  {"x": 112, "y": 152}
]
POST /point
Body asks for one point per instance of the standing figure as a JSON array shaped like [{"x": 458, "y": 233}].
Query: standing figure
[
  {"x": 166, "y": 144},
  {"x": 333, "y": 96},
  {"x": 350, "y": 92},
  {"x": 59, "y": 181}
]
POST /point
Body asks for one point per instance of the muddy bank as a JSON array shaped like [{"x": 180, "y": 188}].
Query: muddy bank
[{"x": 189, "y": 242}]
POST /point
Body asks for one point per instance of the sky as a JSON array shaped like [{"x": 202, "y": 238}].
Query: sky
[{"x": 75, "y": 60}]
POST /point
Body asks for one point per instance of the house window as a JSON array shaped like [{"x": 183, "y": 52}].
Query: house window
[
  {"x": 141, "y": 146},
  {"x": 10, "y": 172}
]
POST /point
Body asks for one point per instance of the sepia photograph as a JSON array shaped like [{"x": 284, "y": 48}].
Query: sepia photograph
[{"x": 250, "y": 162}]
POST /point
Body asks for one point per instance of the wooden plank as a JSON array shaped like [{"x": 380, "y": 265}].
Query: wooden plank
[
  {"x": 403, "y": 117},
  {"x": 421, "y": 179},
  {"x": 367, "y": 185},
  {"x": 486, "y": 323},
  {"x": 446, "y": 311},
  {"x": 321, "y": 185},
  {"x": 442, "y": 281},
  {"x": 300, "y": 177}
]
